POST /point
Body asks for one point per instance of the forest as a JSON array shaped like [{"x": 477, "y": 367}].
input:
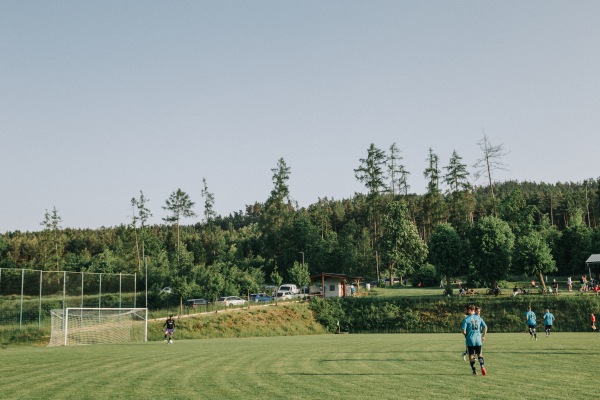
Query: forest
[{"x": 482, "y": 233}]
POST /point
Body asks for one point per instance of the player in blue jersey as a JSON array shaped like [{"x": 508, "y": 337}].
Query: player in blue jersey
[
  {"x": 531, "y": 323},
  {"x": 465, "y": 315},
  {"x": 548, "y": 321},
  {"x": 478, "y": 313},
  {"x": 474, "y": 329}
]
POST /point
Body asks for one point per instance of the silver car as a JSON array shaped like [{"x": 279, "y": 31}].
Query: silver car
[
  {"x": 281, "y": 295},
  {"x": 231, "y": 301}
]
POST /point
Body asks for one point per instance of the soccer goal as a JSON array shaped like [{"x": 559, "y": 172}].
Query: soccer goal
[{"x": 73, "y": 326}]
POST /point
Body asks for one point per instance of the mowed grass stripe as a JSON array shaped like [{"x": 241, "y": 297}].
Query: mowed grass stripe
[{"x": 411, "y": 366}]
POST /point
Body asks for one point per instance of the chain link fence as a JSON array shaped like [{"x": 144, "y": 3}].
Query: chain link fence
[{"x": 27, "y": 296}]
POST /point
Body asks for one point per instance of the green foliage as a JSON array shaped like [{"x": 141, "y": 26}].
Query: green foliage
[
  {"x": 371, "y": 171},
  {"x": 492, "y": 245},
  {"x": 328, "y": 312},
  {"x": 444, "y": 314},
  {"x": 290, "y": 319},
  {"x": 574, "y": 248},
  {"x": 341, "y": 236},
  {"x": 515, "y": 211},
  {"x": 445, "y": 251},
  {"x": 26, "y": 336},
  {"x": 299, "y": 274},
  {"x": 533, "y": 256},
  {"x": 426, "y": 275},
  {"x": 276, "y": 278},
  {"x": 402, "y": 247}
]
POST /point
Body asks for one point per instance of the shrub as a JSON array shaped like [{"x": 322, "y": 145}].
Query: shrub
[
  {"x": 328, "y": 312},
  {"x": 426, "y": 275},
  {"x": 416, "y": 314}
]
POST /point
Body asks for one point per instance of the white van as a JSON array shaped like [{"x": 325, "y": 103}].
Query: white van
[{"x": 288, "y": 287}]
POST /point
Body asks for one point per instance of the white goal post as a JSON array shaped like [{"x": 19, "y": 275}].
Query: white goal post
[{"x": 73, "y": 326}]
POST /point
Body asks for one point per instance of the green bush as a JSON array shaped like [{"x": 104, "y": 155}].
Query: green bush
[
  {"x": 329, "y": 313},
  {"x": 415, "y": 314},
  {"x": 426, "y": 275}
]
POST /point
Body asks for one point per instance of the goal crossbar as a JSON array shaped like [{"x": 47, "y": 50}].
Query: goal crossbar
[{"x": 79, "y": 325}]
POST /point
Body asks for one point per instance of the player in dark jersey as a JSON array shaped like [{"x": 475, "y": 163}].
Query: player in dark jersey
[{"x": 169, "y": 328}]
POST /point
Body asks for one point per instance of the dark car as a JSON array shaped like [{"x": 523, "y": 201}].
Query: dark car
[{"x": 195, "y": 303}]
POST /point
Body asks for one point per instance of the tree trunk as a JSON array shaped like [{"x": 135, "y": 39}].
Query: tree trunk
[
  {"x": 543, "y": 283},
  {"x": 448, "y": 287}
]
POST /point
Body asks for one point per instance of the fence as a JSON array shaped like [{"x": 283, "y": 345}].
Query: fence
[{"x": 27, "y": 296}]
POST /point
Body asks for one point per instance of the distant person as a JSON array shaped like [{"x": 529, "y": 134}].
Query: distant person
[
  {"x": 531, "y": 323},
  {"x": 496, "y": 290},
  {"x": 474, "y": 329},
  {"x": 533, "y": 284},
  {"x": 570, "y": 284},
  {"x": 515, "y": 291},
  {"x": 169, "y": 328},
  {"x": 548, "y": 321},
  {"x": 593, "y": 322},
  {"x": 555, "y": 286}
]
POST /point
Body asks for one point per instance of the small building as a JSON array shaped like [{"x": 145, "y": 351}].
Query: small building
[
  {"x": 334, "y": 285},
  {"x": 592, "y": 261}
]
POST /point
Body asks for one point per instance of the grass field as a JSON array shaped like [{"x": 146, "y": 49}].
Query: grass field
[{"x": 392, "y": 366}]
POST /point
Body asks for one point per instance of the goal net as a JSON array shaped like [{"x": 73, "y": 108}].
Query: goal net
[{"x": 72, "y": 326}]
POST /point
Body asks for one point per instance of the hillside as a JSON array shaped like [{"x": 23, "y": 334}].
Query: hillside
[{"x": 270, "y": 320}]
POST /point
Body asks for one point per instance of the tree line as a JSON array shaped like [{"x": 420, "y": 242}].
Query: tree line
[{"x": 454, "y": 229}]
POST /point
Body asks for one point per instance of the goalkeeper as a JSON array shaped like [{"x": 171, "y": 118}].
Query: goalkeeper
[{"x": 169, "y": 328}]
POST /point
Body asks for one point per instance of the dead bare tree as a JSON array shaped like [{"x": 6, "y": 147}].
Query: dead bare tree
[{"x": 490, "y": 162}]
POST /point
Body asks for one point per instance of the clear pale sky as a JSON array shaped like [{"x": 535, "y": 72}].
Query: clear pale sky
[{"x": 102, "y": 99}]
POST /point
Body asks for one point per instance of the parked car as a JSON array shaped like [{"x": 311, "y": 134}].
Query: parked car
[
  {"x": 284, "y": 295},
  {"x": 195, "y": 302},
  {"x": 167, "y": 290},
  {"x": 288, "y": 287},
  {"x": 260, "y": 298},
  {"x": 231, "y": 301}
]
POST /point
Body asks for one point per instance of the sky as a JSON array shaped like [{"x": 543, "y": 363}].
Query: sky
[{"x": 100, "y": 100}]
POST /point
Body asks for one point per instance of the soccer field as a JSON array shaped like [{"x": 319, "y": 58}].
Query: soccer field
[{"x": 380, "y": 366}]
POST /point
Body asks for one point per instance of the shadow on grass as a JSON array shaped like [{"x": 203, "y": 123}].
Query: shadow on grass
[{"x": 415, "y": 373}]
